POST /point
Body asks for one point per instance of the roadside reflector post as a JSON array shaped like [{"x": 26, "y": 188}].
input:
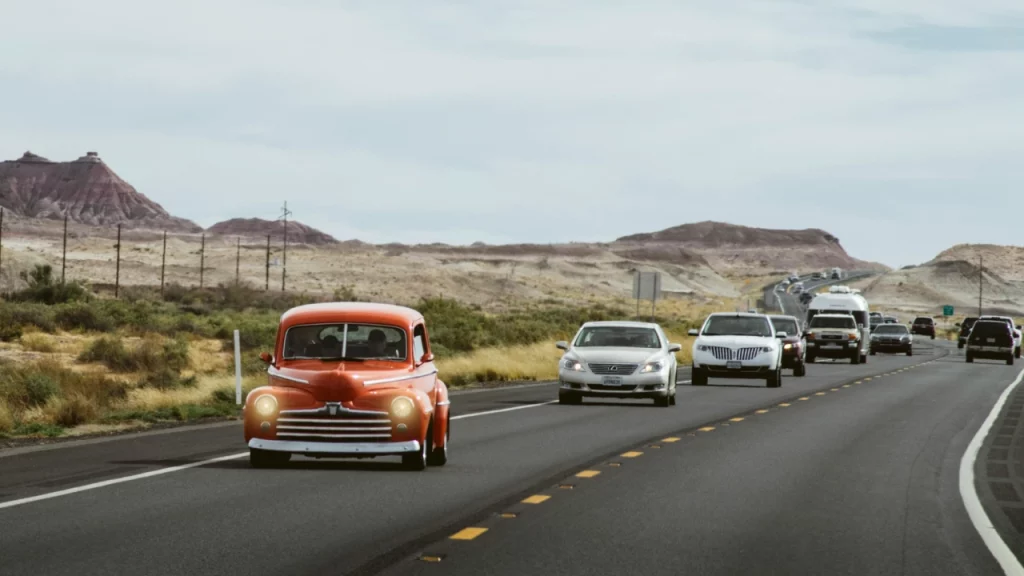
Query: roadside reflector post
[{"x": 238, "y": 371}]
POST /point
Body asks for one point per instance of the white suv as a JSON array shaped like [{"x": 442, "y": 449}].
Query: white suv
[{"x": 737, "y": 345}]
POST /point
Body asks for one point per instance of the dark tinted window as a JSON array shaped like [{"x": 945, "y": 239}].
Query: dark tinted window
[
  {"x": 843, "y": 322},
  {"x": 986, "y": 328},
  {"x": 787, "y": 325},
  {"x": 891, "y": 329},
  {"x": 619, "y": 337},
  {"x": 923, "y": 320},
  {"x": 737, "y": 326}
]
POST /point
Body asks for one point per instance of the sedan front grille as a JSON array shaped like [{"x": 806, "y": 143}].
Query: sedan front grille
[
  {"x": 334, "y": 423},
  {"x": 613, "y": 369}
]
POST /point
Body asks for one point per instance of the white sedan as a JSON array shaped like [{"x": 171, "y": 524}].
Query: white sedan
[
  {"x": 737, "y": 345},
  {"x": 612, "y": 359}
]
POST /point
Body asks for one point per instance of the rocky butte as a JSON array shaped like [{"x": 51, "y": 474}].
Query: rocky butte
[
  {"x": 298, "y": 233},
  {"x": 86, "y": 190}
]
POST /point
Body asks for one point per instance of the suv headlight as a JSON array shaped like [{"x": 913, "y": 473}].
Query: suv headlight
[
  {"x": 572, "y": 364},
  {"x": 652, "y": 367},
  {"x": 765, "y": 349}
]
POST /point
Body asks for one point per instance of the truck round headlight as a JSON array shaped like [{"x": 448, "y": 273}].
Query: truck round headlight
[
  {"x": 265, "y": 405},
  {"x": 401, "y": 407}
]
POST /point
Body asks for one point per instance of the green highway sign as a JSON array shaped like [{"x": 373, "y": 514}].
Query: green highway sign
[{"x": 947, "y": 310}]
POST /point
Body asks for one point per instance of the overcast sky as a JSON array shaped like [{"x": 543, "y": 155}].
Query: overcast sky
[{"x": 897, "y": 125}]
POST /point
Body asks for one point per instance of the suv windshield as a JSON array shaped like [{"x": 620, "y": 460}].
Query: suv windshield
[
  {"x": 787, "y": 325},
  {"x": 892, "y": 329},
  {"x": 737, "y": 326},
  {"x": 844, "y": 322},
  {"x": 923, "y": 320},
  {"x": 345, "y": 341},
  {"x": 618, "y": 337}
]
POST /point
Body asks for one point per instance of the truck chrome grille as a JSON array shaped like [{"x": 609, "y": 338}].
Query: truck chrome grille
[
  {"x": 334, "y": 423},
  {"x": 613, "y": 369}
]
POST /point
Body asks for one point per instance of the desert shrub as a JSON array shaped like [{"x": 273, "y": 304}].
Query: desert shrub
[
  {"x": 43, "y": 289},
  {"x": 26, "y": 385},
  {"x": 18, "y": 315},
  {"x": 71, "y": 410},
  {"x": 37, "y": 342},
  {"x": 167, "y": 379},
  {"x": 6, "y": 418},
  {"x": 153, "y": 354},
  {"x": 82, "y": 316}
]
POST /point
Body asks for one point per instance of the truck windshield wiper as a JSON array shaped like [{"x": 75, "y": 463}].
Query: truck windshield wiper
[{"x": 341, "y": 359}]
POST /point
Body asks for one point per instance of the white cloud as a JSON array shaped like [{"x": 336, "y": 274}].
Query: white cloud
[{"x": 525, "y": 121}]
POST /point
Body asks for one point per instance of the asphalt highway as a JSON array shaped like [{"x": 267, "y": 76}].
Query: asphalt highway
[{"x": 839, "y": 472}]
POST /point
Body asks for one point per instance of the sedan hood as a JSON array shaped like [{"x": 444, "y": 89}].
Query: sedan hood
[
  {"x": 609, "y": 355},
  {"x": 336, "y": 382}
]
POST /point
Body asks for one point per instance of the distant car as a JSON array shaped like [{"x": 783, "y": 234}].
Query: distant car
[
  {"x": 793, "y": 349},
  {"x": 736, "y": 345},
  {"x": 834, "y": 336},
  {"x": 780, "y": 287},
  {"x": 817, "y": 276},
  {"x": 837, "y": 274},
  {"x": 990, "y": 339},
  {"x": 806, "y": 297},
  {"x": 965, "y": 330},
  {"x": 794, "y": 278},
  {"x": 876, "y": 320},
  {"x": 618, "y": 359},
  {"x": 890, "y": 320},
  {"x": 923, "y": 325},
  {"x": 1015, "y": 329},
  {"x": 798, "y": 288},
  {"x": 892, "y": 338},
  {"x": 785, "y": 282}
]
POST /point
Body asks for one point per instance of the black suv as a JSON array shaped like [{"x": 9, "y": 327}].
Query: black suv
[
  {"x": 923, "y": 325},
  {"x": 990, "y": 339},
  {"x": 965, "y": 330}
]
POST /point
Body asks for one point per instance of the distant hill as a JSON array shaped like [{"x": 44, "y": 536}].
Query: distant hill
[
  {"x": 298, "y": 233},
  {"x": 86, "y": 189}
]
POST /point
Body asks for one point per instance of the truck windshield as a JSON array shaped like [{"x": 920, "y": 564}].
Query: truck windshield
[
  {"x": 842, "y": 322},
  {"x": 345, "y": 341}
]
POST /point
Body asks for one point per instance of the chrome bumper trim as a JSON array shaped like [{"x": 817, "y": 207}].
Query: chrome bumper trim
[{"x": 297, "y": 447}]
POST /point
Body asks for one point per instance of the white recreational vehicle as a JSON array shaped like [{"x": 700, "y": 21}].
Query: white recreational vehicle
[{"x": 842, "y": 300}]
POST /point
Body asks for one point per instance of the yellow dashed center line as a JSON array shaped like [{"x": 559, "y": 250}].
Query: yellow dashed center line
[
  {"x": 587, "y": 474},
  {"x": 706, "y": 429},
  {"x": 858, "y": 381},
  {"x": 468, "y": 533},
  {"x": 761, "y": 412},
  {"x": 846, "y": 385},
  {"x": 737, "y": 419},
  {"x": 670, "y": 439},
  {"x": 817, "y": 394},
  {"x": 631, "y": 454},
  {"x": 784, "y": 405},
  {"x": 867, "y": 379},
  {"x": 835, "y": 389},
  {"x": 536, "y": 499},
  {"x": 804, "y": 398}
]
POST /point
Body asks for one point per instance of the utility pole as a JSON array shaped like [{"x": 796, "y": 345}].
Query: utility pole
[
  {"x": 981, "y": 279},
  {"x": 163, "y": 265},
  {"x": 267, "y": 285},
  {"x": 64, "y": 256},
  {"x": 117, "y": 276},
  {"x": 238, "y": 257},
  {"x": 284, "y": 254},
  {"x": 202, "y": 260}
]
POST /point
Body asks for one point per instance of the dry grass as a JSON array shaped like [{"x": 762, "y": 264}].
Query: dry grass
[
  {"x": 38, "y": 342},
  {"x": 151, "y": 399},
  {"x": 6, "y": 417}
]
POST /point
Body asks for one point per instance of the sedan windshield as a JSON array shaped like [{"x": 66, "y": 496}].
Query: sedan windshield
[
  {"x": 891, "y": 329},
  {"x": 787, "y": 325},
  {"x": 737, "y": 326},
  {"x": 345, "y": 342},
  {"x": 844, "y": 322},
  {"x": 618, "y": 337}
]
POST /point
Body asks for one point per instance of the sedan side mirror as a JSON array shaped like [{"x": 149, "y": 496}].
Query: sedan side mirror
[
  {"x": 693, "y": 332},
  {"x": 674, "y": 347},
  {"x": 267, "y": 357},
  {"x": 562, "y": 345},
  {"x": 781, "y": 335}
]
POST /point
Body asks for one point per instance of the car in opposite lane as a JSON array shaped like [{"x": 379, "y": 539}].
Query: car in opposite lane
[
  {"x": 792, "y": 345},
  {"x": 349, "y": 379},
  {"x": 618, "y": 359},
  {"x": 990, "y": 339},
  {"x": 737, "y": 345},
  {"x": 892, "y": 338}
]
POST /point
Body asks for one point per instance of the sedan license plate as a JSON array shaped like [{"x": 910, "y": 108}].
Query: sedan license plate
[
  {"x": 831, "y": 346},
  {"x": 734, "y": 365},
  {"x": 612, "y": 380},
  {"x": 990, "y": 339}
]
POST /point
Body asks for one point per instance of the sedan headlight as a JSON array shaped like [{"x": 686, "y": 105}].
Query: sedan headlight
[
  {"x": 265, "y": 405},
  {"x": 402, "y": 407},
  {"x": 787, "y": 346},
  {"x": 572, "y": 364},
  {"x": 651, "y": 367}
]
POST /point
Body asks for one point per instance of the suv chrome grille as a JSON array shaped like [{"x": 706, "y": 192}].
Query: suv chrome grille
[
  {"x": 334, "y": 423},
  {"x": 747, "y": 353},
  {"x": 723, "y": 353},
  {"x": 613, "y": 369}
]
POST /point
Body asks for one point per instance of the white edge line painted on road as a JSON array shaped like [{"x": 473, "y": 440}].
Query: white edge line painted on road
[
  {"x": 1002, "y": 553},
  {"x": 94, "y": 485},
  {"x": 152, "y": 473}
]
